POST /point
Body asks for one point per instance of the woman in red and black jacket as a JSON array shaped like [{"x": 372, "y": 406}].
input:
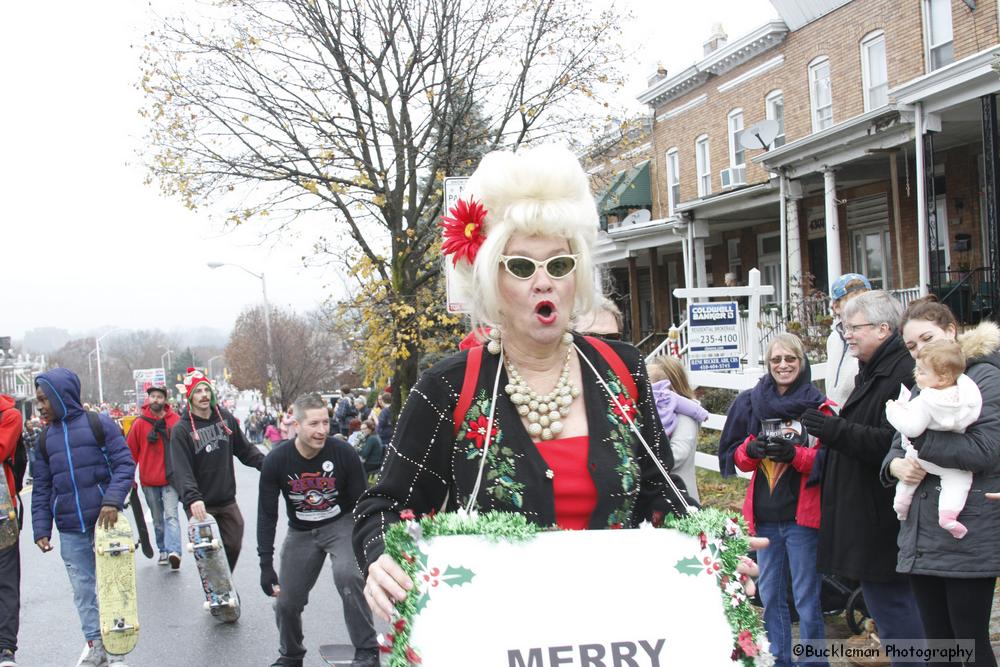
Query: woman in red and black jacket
[
  {"x": 782, "y": 502},
  {"x": 10, "y": 560}
]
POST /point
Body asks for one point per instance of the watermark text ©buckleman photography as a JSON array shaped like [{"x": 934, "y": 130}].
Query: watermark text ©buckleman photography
[{"x": 930, "y": 650}]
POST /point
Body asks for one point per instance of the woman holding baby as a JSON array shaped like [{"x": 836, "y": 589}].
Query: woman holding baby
[{"x": 950, "y": 548}]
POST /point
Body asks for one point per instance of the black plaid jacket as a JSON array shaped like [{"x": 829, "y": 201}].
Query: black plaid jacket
[{"x": 432, "y": 462}]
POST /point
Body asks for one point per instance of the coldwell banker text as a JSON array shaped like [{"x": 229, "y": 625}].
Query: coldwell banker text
[{"x": 615, "y": 654}]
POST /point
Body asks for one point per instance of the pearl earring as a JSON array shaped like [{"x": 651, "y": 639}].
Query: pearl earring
[
  {"x": 493, "y": 346},
  {"x": 568, "y": 338}
]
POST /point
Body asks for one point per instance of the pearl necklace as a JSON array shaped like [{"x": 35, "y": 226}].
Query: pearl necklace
[{"x": 544, "y": 413}]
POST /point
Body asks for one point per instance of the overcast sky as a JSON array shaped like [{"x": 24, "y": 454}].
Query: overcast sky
[{"x": 86, "y": 244}]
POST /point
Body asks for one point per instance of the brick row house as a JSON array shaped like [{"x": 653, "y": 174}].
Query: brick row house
[{"x": 882, "y": 158}]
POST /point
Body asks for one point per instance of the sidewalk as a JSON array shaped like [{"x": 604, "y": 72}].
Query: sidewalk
[{"x": 836, "y": 629}]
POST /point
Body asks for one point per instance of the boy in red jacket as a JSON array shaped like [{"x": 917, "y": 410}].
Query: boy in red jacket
[
  {"x": 10, "y": 558},
  {"x": 148, "y": 439}
]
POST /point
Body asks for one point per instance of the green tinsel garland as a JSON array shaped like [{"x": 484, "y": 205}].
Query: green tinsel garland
[
  {"x": 496, "y": 526},
  {"x": 712, "y": 522},
  {"x": 399, "y": 544}
]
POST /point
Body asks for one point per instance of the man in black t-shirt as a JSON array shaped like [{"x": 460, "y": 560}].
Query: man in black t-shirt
[{"x": 320, "y": 479}]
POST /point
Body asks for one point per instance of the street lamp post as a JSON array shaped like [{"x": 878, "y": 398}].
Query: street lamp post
[
  {"x": 168, "y": 366},
  {"x": 267, "y": 316},
  {"x": 211, "y": 359},
  {"x": 97, "y": 349}
]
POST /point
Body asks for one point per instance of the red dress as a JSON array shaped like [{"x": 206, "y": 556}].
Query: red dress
[{"x": 574, "y": 490}]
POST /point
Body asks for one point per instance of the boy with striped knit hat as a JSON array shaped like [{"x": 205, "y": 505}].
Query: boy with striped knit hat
[{"x": 199, "y": 461}]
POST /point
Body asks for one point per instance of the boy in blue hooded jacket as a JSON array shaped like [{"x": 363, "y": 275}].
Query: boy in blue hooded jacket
[{"x": 79, "y": 482}]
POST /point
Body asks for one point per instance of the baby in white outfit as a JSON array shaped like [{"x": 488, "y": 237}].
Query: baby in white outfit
[{"x": 948, "y": 401}]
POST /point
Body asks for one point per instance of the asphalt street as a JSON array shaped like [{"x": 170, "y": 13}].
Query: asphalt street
[{"x": 174, "y": 628}]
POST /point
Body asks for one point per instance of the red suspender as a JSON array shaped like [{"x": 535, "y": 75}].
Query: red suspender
[
  {"x": 617, "y": 365},
  {"x": 472, "y": 364}
]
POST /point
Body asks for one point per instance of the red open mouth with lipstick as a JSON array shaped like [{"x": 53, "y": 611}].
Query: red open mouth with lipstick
[{"x": 545, "y": 311}]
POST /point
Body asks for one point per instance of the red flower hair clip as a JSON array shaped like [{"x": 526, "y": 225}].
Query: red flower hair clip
[{"x": 463, "y": 230}]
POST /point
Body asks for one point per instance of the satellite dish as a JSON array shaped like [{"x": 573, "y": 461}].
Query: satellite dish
[
  {"x": 636, "y": 217},
  {"x": 759, "y": 135}
]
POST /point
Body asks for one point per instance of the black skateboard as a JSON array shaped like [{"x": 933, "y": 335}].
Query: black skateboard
[
  {"x": 140, "y": 522},
  {"x": 339, "y": 655}
]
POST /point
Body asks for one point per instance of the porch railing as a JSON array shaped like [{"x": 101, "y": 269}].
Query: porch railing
[{"x": 968, "y": 294}]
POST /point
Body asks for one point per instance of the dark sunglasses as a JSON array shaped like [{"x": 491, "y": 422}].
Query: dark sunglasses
[
  {"x": 788, "y": 359},
  {"x": 523, "y": 268}
]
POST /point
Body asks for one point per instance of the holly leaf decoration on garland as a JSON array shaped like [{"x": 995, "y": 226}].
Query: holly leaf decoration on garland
[
  {"x": 690, "y": 565},
  {"x": 456, "y": 576}
]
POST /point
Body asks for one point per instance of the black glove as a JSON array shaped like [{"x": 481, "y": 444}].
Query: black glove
[
  {"x": 781, "y": 449},
  {"x": 268, "y": 579},
  {"x": 814, "y": 421},
  {"x": 756, "y": 448}
]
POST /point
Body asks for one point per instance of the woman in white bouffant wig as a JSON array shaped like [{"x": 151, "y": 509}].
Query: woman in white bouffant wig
[{"x": 535, "y": 419}]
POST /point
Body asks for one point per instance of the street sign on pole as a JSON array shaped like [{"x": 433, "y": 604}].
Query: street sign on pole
[
  {"x": 714, "y": 336},
  {"x": 453, "y": 188}
]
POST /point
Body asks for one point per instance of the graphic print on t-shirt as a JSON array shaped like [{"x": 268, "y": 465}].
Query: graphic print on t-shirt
[
  {"x": 772, "y": 470},
  {"x": 313, "y": 495},
  {"x": 210, "y": 438}
]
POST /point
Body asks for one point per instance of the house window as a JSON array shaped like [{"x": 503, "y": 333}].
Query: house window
[
  {"x": 940, "y": 47},
  {"x": 704, "y": 166},
  {"x": 820, "y": 95},
  {"x": 874, "y": 74},
  {"x": 871, "y": 255},
  {"x": 735, "y": 258},
  {"x": 769, "y": 263},
  {"x": 774, "y": 109},
  {"x": 737, "y": 155},
  {"x": 673, "y": 181}
]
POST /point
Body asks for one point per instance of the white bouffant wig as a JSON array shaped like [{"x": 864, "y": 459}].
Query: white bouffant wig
[{"x": 539, "y": 191}]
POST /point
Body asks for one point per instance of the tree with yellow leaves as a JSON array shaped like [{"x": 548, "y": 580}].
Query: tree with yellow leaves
[{"x": 349, "y": 114}]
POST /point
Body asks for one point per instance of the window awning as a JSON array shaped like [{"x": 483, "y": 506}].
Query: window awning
[
  {"x": 605, "y": 195},
  {"x": 629, "y": 189}
]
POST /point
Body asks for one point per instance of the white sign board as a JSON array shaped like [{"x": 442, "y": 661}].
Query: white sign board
[
  {"x": 453, "y": 188},
  {"x": 603, "y": 598},
  {"x": 146, "y": 378},
  {"x": 713, "y": 336}
]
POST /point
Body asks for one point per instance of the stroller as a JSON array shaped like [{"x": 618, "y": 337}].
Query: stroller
[{"x": 838, "y": 595}]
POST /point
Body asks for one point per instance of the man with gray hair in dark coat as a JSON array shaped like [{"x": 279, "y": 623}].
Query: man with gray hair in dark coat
[{"x": 858, "y": 526}]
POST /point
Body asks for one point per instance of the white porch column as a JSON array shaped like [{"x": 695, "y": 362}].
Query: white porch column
[
  {"x": 923, "y": 257},
  {"x": 833, "y": 266},
  {"x": 793, "y": 193},
  {"x": 699, "y": 262},
  {"x": 783, "y": 236},
  {"x": 689, "y": 256}
]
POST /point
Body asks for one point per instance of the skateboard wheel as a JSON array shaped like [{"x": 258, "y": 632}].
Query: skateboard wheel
[
  {"x": 208, "y": 606},
  {"x": 131, "y": 548},
  {"x": 215, "y": 544},
  {"x": 231, "y": 604},
  {"x": 190, "y": 547},
  {"x": 100, "y": 551},
  {"x": 12, "y": 515}
]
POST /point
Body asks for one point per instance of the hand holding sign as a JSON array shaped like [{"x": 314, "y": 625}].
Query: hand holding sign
[{"x": 386, "y": 585}]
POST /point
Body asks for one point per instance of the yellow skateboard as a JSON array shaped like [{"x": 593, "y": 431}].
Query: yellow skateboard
[{"x": 116, "y": 595}]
